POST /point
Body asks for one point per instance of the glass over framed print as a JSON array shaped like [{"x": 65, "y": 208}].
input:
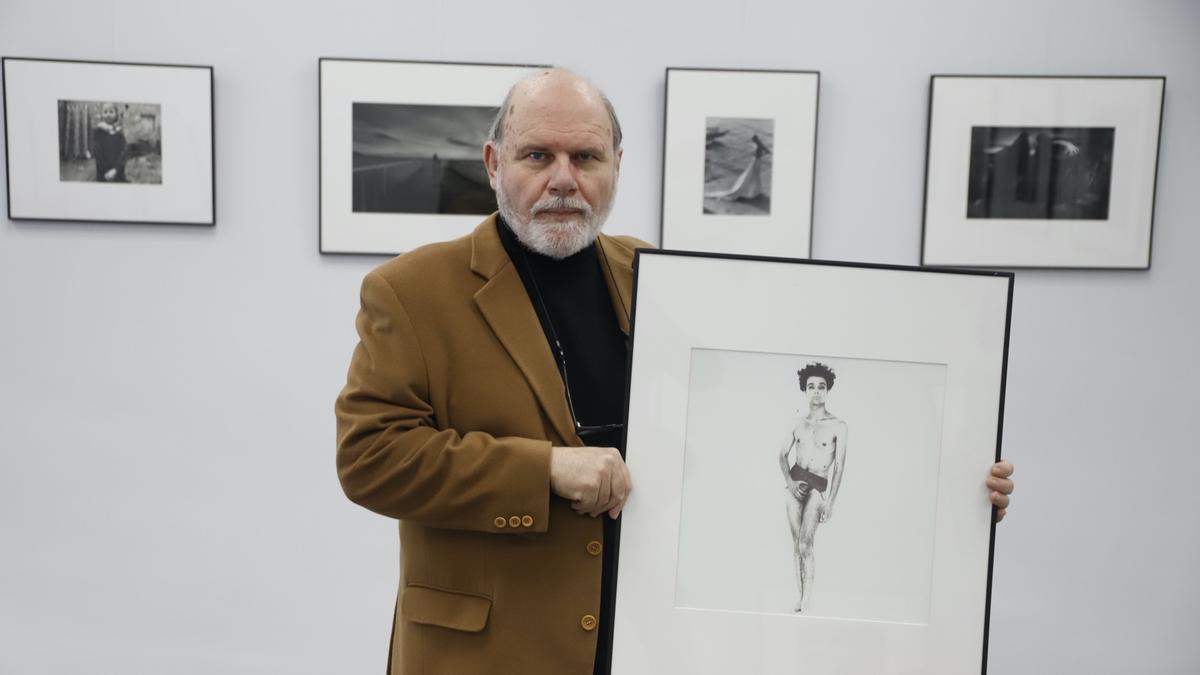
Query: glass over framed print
[
  {"x": 1052, "y": 172},
  {"x": 811, "y": 443},
  {"x": 739, "y": 151},
  {"x": 402, "y": 151},
  {"x": 109, "y": 142}
]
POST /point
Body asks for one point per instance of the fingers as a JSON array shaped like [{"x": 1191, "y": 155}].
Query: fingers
[
  {"x": 603, "y": 495},
  {"x": 622, "y": 486},
  {"x": 619, "y": 483},
  {"x": 589, "y": 502},
  {"x": 801, "y": 489},
  {"x": 1002, "y": 469},
  {"x": 999, "y": 500},
  {"x": 599, "y": 484},
  {"x": 1001, "y": 485}
]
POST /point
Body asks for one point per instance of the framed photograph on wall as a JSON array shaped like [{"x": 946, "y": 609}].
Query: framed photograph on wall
[
  {"x": 402, "y": 150},
  {"x": 818, "y": 467},
  {"x": 1037, "y": 171},
  {"x": 109, "y": 142},
  {"x": 739, "y": 153}
]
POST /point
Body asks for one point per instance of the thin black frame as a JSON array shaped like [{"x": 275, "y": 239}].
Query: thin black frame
[
  {"x": 662, "y": 198},
  {"x": 605, "y": 639},
  {"x": 1157, "y": 157},
  {"x": 321, "y": 130},
  {"x": 212, "y": 137}
]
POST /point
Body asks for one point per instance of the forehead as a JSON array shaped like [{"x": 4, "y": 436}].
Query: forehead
[
  {"x": 814, "y": 380},
  {"x": 559, "y": 113}
]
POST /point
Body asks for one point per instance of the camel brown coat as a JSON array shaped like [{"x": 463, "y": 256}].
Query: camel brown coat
[{"x": 452, "y": 403}]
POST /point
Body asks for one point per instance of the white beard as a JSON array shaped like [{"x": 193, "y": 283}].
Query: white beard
[{"x": 555, "y": 239}]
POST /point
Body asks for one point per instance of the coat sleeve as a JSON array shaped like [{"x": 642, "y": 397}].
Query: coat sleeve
[{"x": 392, "y": 459}]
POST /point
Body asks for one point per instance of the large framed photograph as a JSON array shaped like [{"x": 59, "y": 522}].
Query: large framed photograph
[
  {"x": 739, "y": 152},
  {"x": 812, "y": 442},
  {"x": 109, "y": 142},
  {"x": 402, "y": 150},
  {"x": 1054, "y": 172}
]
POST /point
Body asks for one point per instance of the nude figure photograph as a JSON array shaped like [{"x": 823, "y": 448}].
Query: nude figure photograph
[
  {"x": 813, "y": 460},
  {"x": 781, "y": 513}
]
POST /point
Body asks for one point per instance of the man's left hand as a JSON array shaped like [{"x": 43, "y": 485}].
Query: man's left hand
[{"x": 1001, "y": 485}]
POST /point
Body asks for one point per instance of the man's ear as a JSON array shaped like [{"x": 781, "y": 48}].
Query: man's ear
[
  {"x": 620, "y": 153},
  {"x": 491, "y": 162}
]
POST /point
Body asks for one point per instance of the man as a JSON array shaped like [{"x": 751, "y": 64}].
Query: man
[
  {"x": 483, "y": 404},
  {"x": 818, "y": 442}
]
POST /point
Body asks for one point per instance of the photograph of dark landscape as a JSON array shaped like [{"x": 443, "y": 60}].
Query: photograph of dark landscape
[{"x": 421, "y": 159}]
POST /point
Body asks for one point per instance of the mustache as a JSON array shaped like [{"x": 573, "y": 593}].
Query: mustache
[{"x": 556, "y": 203}]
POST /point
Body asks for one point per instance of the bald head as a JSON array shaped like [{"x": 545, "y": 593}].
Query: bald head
[
  {"x": 559, "y": 92},
  {"x": 553, "y": 158}
]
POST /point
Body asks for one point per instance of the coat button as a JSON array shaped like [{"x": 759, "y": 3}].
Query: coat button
[
  {"x": 514, "y": 521},
  {"x": 588, "y": 622},
  {"x": 527, "y": 521},
  {"x": 594, "y": 547},
  {"x": 500, "y": 521}
]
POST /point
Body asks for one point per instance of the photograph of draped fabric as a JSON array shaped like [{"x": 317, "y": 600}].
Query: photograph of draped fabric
[
  {"x": 421, "y": 159},
  {"x": 110, "y": 142},
  {"x": 739, "y": 159},
  {"x": 737, "y": 165}
]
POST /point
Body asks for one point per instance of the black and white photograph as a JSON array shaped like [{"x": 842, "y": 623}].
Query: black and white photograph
[
  {"x": 1040, "y": 172},
  {"x": 816, "y": 435},
  {"x": 747, "y": 188},
  {"x": 105, "y": 142},
  {"x": 824, "y": 450},
  {"x": 110, "y": 142},
  {"x": 737, "y": 165},
  {"x": 421, "y": 159},
  {"x": 401, "y": 161}
]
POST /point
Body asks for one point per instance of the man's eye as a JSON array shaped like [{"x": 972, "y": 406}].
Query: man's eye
[
  {"x": 536, "y": 156},
  {"x": 585, "y": 156}
]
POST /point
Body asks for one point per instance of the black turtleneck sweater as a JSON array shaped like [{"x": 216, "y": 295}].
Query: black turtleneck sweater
[{"x": 573, "y": 305}]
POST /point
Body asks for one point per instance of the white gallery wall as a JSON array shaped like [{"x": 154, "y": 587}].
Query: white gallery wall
[{"x": 168, "y": 500}]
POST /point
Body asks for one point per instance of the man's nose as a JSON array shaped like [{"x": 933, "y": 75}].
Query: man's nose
[{"x": 562, "y": 178}]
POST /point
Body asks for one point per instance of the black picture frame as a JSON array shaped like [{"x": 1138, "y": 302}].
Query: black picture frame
[
  {"x": 709, "y": 317},
  {"x": 1020, "y": 171},
  {"x": 789, "y": 98},
  {"x": 189, "y": 198},
  {"x": 343, "y": 82}
]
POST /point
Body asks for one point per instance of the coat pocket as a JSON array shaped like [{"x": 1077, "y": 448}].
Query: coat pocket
[{"x": 448, "y": 609}]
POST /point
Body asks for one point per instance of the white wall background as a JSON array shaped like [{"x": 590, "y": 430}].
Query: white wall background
[{"x": 168, "y": 502}]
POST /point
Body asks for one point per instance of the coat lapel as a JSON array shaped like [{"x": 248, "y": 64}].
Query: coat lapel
[
  {"x": 506, "y": 307},
  {"x": 618, "y": 276}
]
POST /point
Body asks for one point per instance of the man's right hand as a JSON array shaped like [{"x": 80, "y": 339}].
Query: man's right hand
[{"x": 595, "y": 480}]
